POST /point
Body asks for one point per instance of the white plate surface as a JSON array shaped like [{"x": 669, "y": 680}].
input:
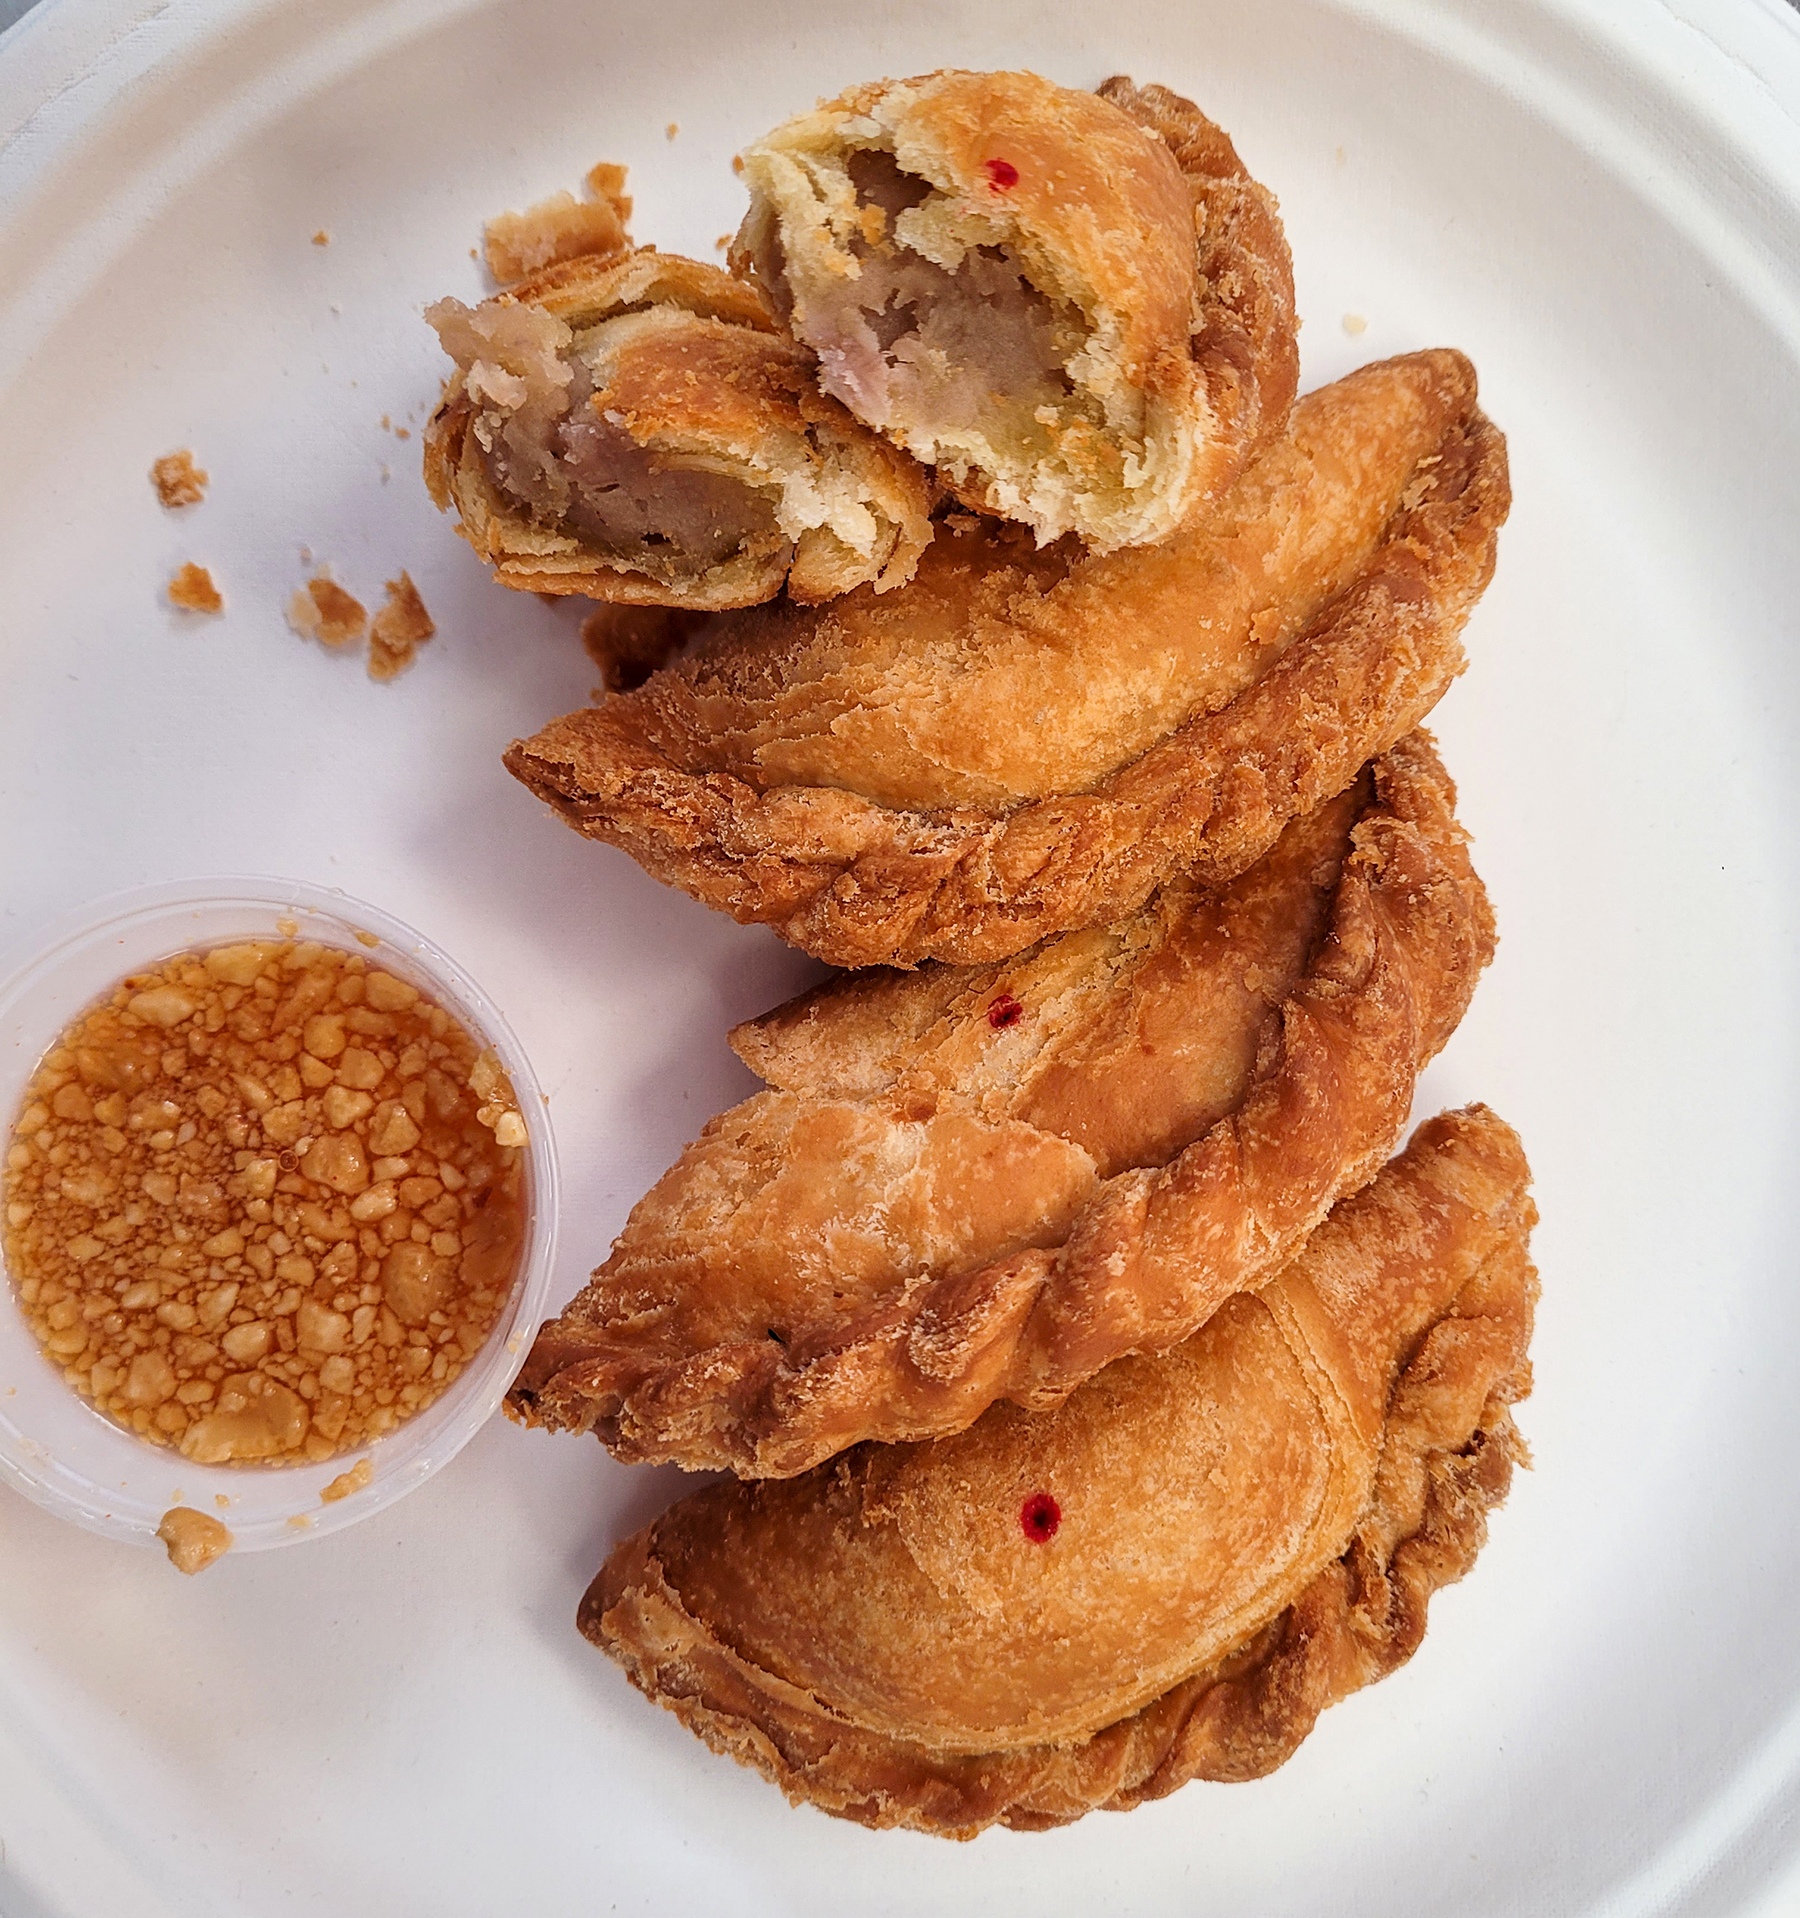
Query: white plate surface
[{"x": 1595, "y": 198}]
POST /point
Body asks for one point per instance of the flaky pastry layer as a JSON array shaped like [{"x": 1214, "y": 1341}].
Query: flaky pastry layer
[
  {"x": 639, "y": 431},
  {"x": 1167, "y": 1578},
  {"x": 983, "y": 1183},
  {"x": 1022, "y": 742},
  {"x": 1077, "y": 307}
]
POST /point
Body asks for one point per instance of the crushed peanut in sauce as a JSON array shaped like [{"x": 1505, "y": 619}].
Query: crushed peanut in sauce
[
  {"x": 264, "y": 1202},
  {"x": 355, "y": 1480}
]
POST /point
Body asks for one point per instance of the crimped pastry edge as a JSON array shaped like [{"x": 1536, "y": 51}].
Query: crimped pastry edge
[{"x": 1245, "y": 346}]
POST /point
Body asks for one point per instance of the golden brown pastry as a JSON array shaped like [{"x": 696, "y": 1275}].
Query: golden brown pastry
[
  {"x": 1078, "y": 307},
  {"x": 629, "y": 643},
  {"x": 1167, "y": 1578},
  {"x": 638, "y": 430},
  {"x": 562, "y": 227},
  {"x": 1022, "y": 742},
  {"x": 989, "y": 1182}
]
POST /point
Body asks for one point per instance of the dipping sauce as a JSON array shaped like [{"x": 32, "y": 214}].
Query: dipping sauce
[{"x": 263, "y": 1203}]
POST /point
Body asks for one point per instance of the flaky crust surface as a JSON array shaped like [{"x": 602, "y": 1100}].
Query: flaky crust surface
[
  {"x": 858, "y": 1635},
  {"x": 1245, "y": 344},
  {"x": 1181, "y": 271},
  {"x": 1098, "y": 1266},
  {"x": 717, "y": 380},
  {"x": 743, "y": 772}
]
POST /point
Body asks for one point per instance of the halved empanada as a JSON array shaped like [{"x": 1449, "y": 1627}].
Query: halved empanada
[
  {"x": 638, "y": 430},
  {"x": 1021, "y": 742},
  {"x": 1167, "y": 1578},
  {"x": 989, "y": 1182},
  {"x": 1077, "y": 307}
]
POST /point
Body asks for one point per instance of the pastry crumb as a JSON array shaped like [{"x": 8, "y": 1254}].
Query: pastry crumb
[
  {"x": 605, "y": 180},
  {"x": 322, "y": 610},
  {"x": 1354, "y": 323},
  {"x": 737, "y": 163},
  {"x": 499, "y": 1110},
  {"x": 399, "y": 630},
  {"x": 673, "y": 128},
  {"x": 194, "y": 1539},
  {"x": 178, "y": 481},
  {"x": 722, "y": 242},
  {"x": 322, "y": 237},
  {"x": 559, "y": 228},
  {"x": 354, "y": 1480},
  {"x": 192, "y": 589}
]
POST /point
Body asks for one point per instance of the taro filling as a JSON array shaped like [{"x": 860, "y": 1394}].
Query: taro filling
[
  {"x": 929, "y": 351},
  {"x": 566, "y": 465}
]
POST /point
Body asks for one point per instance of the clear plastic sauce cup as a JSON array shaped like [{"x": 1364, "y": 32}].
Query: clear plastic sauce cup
[{"x": 55, "y": 1446}]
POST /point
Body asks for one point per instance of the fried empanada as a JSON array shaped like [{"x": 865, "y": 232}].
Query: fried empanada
[
  {"x": 1077, "y": 307},
  {"x": 1023, "y": 742},
  {"x": 989, "y": 1182},
  {"x": 1167, "y": 1578},
  {"x": 639, "y": 430}
]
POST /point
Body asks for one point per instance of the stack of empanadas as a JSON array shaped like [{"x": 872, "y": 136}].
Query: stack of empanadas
[
  {"x": 1102, "y": 1400},
  {"x": 1167, "y": 1577},
  {"x": 1028, "y": 740},
  {"x": 977, "y": 1182}
]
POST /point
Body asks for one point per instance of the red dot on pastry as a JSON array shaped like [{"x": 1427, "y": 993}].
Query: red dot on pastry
[
  {"x": 1002, "y": 174},
  {"x": 1004, "y": 1010},
  {"x": 1039, "y": 1517}
]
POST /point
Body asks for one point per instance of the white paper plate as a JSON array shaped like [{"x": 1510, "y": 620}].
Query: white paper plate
[{"x": 1598, "y": 200}]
